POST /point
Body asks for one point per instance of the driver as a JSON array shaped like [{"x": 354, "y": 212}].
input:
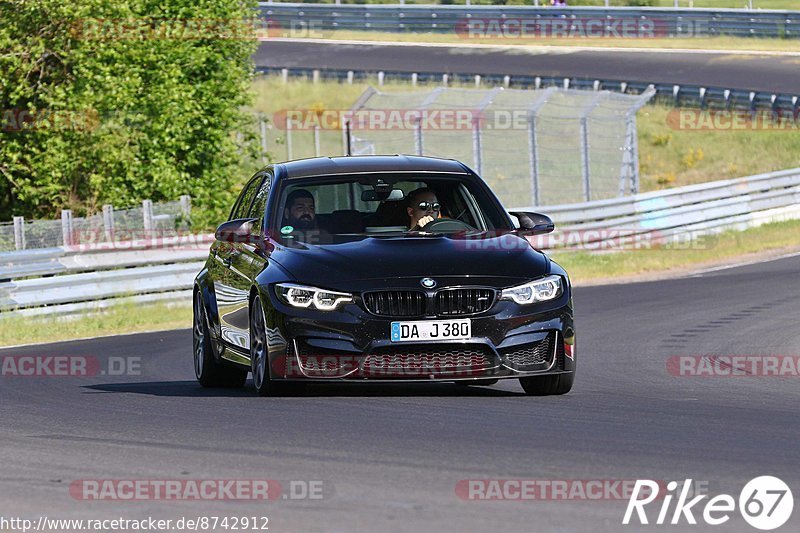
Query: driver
[
  {"x": 422, "y": 207},
  {"x": 299, "y": 212}
]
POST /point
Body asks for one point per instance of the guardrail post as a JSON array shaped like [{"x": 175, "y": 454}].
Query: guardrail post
[
  {"x": 315, "y": 76},
  {"x": 186, "y": 207},
  {"x": 19, "y": 233},
  {"x": 477, "y": 80},
  {"x": 566, "y": 83},
  {"x": 506, "y": 81},
  {"x": 108, "y": 222},
  {"x": 285, "y": 75},
  {"x": 537, "y": 82},
  {"x": 66, "y": 227},
  {"x": 414, "y": 77},
  {"x": 381, "y": 75},
  {"x": 147, "y": 216},
  {"x": 262, "y": 123},
  {"x": 350, "y": 76},
  {"x": 445, "y": 77}
]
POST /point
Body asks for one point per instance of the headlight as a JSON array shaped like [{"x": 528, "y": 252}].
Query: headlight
[
  {"x": 302, "y": 296},
  {"x": 541, "y": 290}
]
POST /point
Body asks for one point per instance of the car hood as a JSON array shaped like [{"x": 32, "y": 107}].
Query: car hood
[{"x": 391, "y": 261}]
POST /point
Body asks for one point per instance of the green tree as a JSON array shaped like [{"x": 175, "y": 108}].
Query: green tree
[{"x": 131, "y": 99}]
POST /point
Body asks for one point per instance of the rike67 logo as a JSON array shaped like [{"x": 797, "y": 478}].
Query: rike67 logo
[{"x": 765, "y": 503}]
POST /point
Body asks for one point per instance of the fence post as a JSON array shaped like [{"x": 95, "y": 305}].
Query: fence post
[
  {"x": 288, "y": 138},
  {"x": 147, "y": 216},
  {"x": 108, "y": 222},
  {"x": 186, "y": 207},
  {"x": 418, "y": 148},
  {"x": 533, "y": 158},
  {"x": 587, "y": 192},
  {"x": 476, "y": 146},
  {"x": 66, "y": 226},
  {"x": 316, "y": 140},
  {"x": 262, "y": 122},
  {"x": 19, "y": 233}
]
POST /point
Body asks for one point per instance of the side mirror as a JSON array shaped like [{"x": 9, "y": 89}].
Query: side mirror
[
  {"x": 533, "y": 223},
  {"x": 239, "y": 230}
]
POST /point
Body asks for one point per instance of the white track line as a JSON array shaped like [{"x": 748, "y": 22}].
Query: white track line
[{"x": 539, "y": 48}]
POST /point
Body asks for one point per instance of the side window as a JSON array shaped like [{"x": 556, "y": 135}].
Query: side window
[
  {"x": 260, "y": 202},
  {"x": 245, "y": 199}
]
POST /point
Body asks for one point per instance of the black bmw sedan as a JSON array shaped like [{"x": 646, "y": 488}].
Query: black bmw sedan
[{"x": 380, "y": 268}]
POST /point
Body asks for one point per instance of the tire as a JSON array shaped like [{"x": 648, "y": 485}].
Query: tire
[
  {"x": 208, "y": 371},
  {"x": 548, "y": 385},
  {"x": 259, "y": 359}
]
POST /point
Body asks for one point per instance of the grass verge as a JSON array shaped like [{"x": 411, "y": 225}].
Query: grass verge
[
  {"x": 117, "y": 320},
  {"x": 707, "y": 251}
]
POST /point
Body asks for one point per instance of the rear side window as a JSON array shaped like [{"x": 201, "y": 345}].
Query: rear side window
[
  {"x": 242, "y": 206},
  {"x": 260, "y": 202}
]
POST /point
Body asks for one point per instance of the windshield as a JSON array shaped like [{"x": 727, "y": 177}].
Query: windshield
[{"x": 335, "y": 209}]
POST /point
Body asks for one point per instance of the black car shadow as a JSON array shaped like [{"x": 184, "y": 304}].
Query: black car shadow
[{"x": 191, "y": 389}]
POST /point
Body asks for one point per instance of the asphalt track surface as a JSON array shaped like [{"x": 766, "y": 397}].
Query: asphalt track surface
[
  {"x": 390, "y": 456},
  {"x": 757, "y": 72}
]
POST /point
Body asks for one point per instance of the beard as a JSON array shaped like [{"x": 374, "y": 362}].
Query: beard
[{"x": 303, "y": 223}]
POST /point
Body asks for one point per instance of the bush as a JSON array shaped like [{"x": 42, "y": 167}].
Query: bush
[{"x": 134, "y": 116}]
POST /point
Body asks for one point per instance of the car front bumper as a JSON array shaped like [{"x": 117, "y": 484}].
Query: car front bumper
[{"x": 508, "y": 341}]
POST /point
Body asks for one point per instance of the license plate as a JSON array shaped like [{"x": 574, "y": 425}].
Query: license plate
[{"x": 431, "y": 330}]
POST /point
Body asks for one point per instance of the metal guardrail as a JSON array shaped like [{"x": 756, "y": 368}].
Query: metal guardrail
[
  {"x": 675, "y": 215},
  {"x": 300, "y": 17},
  {"x": 690, "y": 96},
  {"x": 78, "y": 279},
  {"x": 71, "y": 279}
]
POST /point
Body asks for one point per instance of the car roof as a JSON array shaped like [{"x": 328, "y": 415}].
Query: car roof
[{"x": 368, "y": 164}]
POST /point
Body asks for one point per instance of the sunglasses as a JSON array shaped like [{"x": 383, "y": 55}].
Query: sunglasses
[{"x": 424, "y": 206}]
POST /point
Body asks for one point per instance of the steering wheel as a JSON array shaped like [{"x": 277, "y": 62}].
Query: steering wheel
[{"x": 446, "y": 225}]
